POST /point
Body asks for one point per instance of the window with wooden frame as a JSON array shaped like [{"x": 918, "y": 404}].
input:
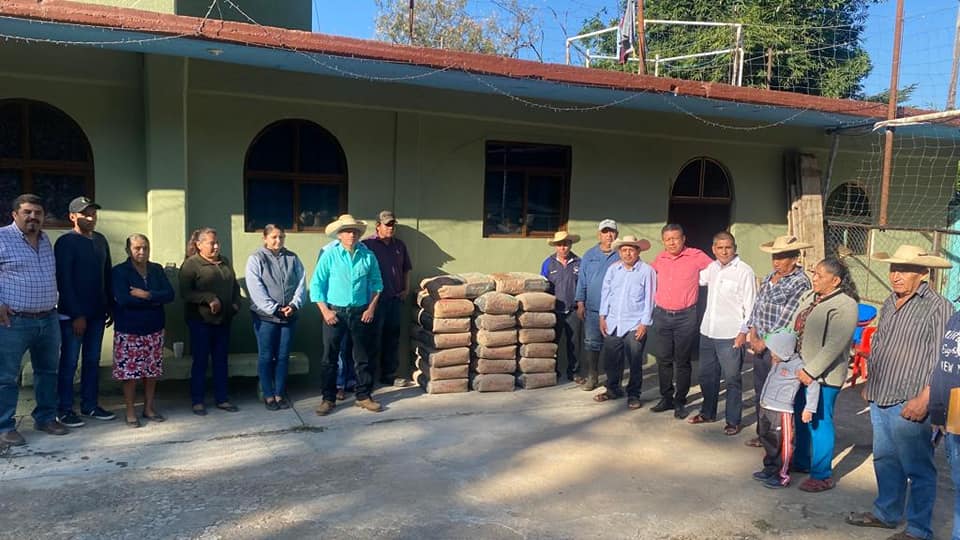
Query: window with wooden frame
[
  {"x": 526, "y": 189},
  {"x": 295, "y": 176},
  {"x": 702, "y": 180},
  {"x": 42, "y": 151}
]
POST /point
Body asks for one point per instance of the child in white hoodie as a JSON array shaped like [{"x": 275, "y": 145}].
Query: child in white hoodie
[{"x": 776, "y": 413}]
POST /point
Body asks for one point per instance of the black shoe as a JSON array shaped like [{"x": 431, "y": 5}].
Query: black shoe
[
  {"x": 271, "y": 405},
  {"x": 680, "y": 411},
  {"x": 283, "y": 403},
  {"x": 71, "y": 420},
  {"x": 662, "y": 405},
  {"x": 199, "y": 410},
  {"x": 99, "y": 413},
  {"x": 762, "y": 476}
]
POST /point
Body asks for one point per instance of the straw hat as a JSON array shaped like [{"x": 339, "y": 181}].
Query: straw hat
[
  {"x": 563, "y": 236},
  {"x": 783, "y": 244},
  {"x": 345, "y": 222},
  {"x": 912, "y": 255},
  {"x": 630, "y": 240}
]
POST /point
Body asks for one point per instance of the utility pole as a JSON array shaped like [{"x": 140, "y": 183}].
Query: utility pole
[
  {"x": 769, "y": 67},
  {"x": 891, "y": 114},
  {"x": 641, "y": 39},
  {"x": 952, "y": 93},
  {"x": 410, "y": 24}
]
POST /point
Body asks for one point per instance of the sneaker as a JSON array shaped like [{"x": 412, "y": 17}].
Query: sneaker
[
  {"x": 53, "y": 427},
  {"x": 368, "y": 404},
  {"x": 774, "y": 482},
  {"x": 70, "y": 419},
  {"x": 762, "y": 476},
  {"x": 99, "y": 413},
  {"x": 11, "y": 438}
]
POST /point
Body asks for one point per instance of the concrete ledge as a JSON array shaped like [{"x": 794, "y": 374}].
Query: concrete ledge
[{"x": 240, "y": 365}]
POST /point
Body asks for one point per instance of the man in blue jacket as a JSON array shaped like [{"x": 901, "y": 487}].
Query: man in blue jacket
[
  {"x": 593, "y": 266},
  {"x": 561, "y": 270},
  {"x": 84, "y": 282}
]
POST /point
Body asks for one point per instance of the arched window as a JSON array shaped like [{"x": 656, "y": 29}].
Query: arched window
[
  {"x": 295, "y": 176},
  {"x": 848, "y": 204},
  {"x": 42, "y": 151},
  {"x": 700, "y": 200}
]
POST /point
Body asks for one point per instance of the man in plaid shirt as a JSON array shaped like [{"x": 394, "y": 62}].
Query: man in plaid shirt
[
  {"x": 777, "y": 299},
  {"x": 28, "y": 320}
]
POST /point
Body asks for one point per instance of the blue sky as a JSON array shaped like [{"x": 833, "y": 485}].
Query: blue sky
[{"x": 927, "y": 42}]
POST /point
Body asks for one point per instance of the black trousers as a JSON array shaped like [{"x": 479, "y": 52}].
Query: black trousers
[
  {"x": 387, "y": 327},
  {"x": 761, "y": 368},
  {"x": 617, "y": 349},
  {"x": 776, "y": 435},
  {"x": 568, "y": 332},
  {"x": 362, "y": 334},
  {"x": 676, "y": 334}
]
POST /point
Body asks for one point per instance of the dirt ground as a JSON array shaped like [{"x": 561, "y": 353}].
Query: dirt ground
[{"x": 546, "y": 463}]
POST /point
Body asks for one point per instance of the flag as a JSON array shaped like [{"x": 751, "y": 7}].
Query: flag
[{"x": 627, "y": 39}]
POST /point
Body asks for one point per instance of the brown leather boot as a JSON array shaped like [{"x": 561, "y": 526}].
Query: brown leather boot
[
  {"x": 592, "y": 360},
  {"x": 325, "y": 408}
]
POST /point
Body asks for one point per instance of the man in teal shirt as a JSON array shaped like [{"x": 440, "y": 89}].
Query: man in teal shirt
[{"x": 346, "y": 286}]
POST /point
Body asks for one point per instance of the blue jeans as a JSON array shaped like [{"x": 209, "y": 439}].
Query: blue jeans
[
  {"x": 814, "y": 441},
  {"x": 346, "y": 374},
  {"x": 71, "y": 348},
  {"x": 718, "y": 357},
  {"x": 953, "y": 456},
  {"x": 273, "y": 348},
  {"x": 592, "y": 338},
  {"x": 208, "y": 341},
  {"x": 902, "y": 452},
  {"x": 42, "y": 338}
]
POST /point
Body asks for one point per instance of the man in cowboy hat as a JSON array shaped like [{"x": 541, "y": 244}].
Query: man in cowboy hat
[
  {"x": 675, "y": 316},
  {"x": 626, "y": 311},
  {"x": 346, "y": 286},
  {"x": 593, "y": 267},
  {"x": 731, "y": 290},
  {"x": 904, "y": 352},
  {"x": 395, "y": 268},
  {"x": 777, "y": 299},
  {"x": 562, "y": 269}
]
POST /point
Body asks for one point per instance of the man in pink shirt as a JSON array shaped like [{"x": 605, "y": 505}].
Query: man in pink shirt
[{"x": 675, "y": 316}]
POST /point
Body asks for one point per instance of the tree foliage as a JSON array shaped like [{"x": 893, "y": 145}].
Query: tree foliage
[
  {"x": 508, "y": 30},
  {"x": 808, "y": 46}
]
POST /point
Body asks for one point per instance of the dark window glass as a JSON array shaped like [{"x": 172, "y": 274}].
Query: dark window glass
[
  {"x": 715, "y": 183},
  {"x": 269, "y": 201},
  {"x": 688, "y": 182},
  {"x": 54, "y": 136},
  {"x": 57, "y": 190},
  {"x": 848, "y": 201},
  {"x": 319, "y": 151},
  {"x": 319, "y": 204},
  {"x": 503, "y": 199},
  {"x": 496, "y": 155},
  {"x": 11, "y": 130},
  {"x": 273, "y": 149},
  {"x": 11, "y": 186},
  {"x": 544, "y": 200},
  {"x": 525, "y": 188},
  {"x": 538, "y": 156}
]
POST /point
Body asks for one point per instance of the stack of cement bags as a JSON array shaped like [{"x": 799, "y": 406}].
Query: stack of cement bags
[
  {"x": 538, "y": 352},
  {"x": 495, "y": 347},
  {"x": 441, "y": 335}
]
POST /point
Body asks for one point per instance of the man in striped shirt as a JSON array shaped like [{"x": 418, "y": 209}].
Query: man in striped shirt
[
  {"x": 28, "y": 320},
  {"x": 904, "y": 352}
]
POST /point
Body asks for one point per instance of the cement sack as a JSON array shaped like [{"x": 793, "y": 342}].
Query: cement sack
[
  {"x": 520, "y": 282},
  {"x": 485, "y": 366},
  {"x": 537, "y": 380},
  {"x": 496, "y": 353},
  {"x": 499, "y": 338},
  {"x": 535, "y": 335},
  {"x": 443, "y": 373},
  {"x": 494, "y": 383},
  {"x": 538, "y": 365},
  {"x": 442, "y": 341},
  {"x": 440, "y": 358},
  {"x": 481, "y": 283},
  {"x": 486, "y": 321},
  {"x": 442, "y": 326},
  {"x": 445, "y": 308},
  {"x": 539, "y": 350},
  {"x": 497, "y": 303},
  {"x": 530, "y": 319},
  {"x": 442, "y": 286},
  {"x": 537, "y": 301}
]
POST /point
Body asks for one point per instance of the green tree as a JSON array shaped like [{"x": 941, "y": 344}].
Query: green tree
[
  {"x": 806, "y": 46},
  {"x": 509, "y": 29}
]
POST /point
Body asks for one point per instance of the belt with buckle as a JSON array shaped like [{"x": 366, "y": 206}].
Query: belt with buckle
[
  {"x": 673, "y": 312},
  {"x": 34, "y": 315}
]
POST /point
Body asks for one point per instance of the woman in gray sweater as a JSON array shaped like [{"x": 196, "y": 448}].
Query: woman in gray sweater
[{"x": 825, "y": 321}]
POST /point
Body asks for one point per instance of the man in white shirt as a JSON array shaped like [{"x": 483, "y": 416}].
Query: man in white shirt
[{"x": 731, "y": 290}]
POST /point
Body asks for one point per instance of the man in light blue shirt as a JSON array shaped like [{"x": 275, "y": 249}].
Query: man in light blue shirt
[
  {"x": 346, "y": 286},
  {"x": 626, "y": 311},
  {"x": 593, "y": 265}
]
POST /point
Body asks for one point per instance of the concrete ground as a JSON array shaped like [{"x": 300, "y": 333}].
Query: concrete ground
[{"x": 546, "y": 463}]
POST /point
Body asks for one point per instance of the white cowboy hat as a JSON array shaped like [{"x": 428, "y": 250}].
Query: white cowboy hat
[
  {"x": 630, "y": 240},
  {"x": 912, "y": 255},
  {"x": 345, "y": 222},
  {"x": 563, "y": 236},
  {"x": 783, "y": 244}
]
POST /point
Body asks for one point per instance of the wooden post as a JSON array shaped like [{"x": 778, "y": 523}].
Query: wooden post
[
  {"x": 769, "y": 68},
  {"x": 641, "y": 39},
  {"x": 410, "y": 23},
  {"x": 952, "y": 92},
  {"x": 891, "y": 114}
]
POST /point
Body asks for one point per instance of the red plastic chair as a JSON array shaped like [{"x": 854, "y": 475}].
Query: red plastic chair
[{"x": 861, "y": 351}]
